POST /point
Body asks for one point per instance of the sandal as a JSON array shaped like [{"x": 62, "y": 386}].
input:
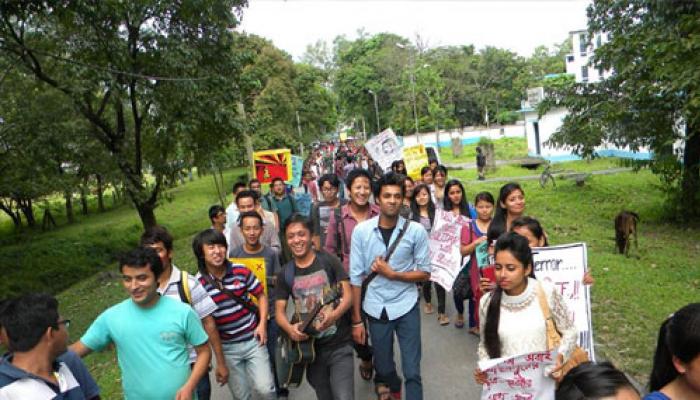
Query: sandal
[
  {"x": 459, "y": 322},
  {"x": 474, "y": 331},
  {"x": 383, "y": 392},
  {"x": 443, "y": 319},
  {"x": 429, "y": 308},
  {"x": 366, "y": 372}
]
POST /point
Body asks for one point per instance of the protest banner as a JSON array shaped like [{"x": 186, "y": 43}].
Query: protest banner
[
  {"x": 297, "y": 171},
  {"x": 523, "y": 377},
  {"x": 384, "y": 149},
  {"x": 256, "y": 266},
  {"x": 564, "y": 267},
  {"x": 443, "y": 245},
  {"x": 415, "y": 158},
  {"x": 343, "y": 136},
  {"x": 268, "y": 164},
  {"x": 303, "y": 202}
]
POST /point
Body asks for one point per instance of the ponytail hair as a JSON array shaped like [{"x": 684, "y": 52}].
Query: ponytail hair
[
  {"x": 679, "y": 337},
  {"x": 519, "y": 247}
]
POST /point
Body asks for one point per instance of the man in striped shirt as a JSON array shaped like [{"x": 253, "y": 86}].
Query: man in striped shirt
[
  {"x": 191, "y": 292},
  {"x": 241, "y": 324}
]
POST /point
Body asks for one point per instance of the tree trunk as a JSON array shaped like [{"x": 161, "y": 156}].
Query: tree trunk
[
  {"x": 147, "y": 214},
  {"x": 15, "y": 217},
  {"x": 68, "y": 196},
  {"x": 100, "y": 194},
  {"x": 83, "y": 198},
  {"x": 28, "y": 211},
  {"x": 690, "y": 184}
]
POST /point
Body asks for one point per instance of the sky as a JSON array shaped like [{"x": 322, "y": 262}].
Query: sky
[{"x": 518, "y": 25}]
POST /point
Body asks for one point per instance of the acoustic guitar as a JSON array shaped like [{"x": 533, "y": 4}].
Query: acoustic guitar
[{"x": 291, "y": 358}]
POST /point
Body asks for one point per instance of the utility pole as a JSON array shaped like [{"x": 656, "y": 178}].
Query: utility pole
[
  {"x": 301, "y": 144},
  {"x": 412, "y": 76},
  {"x": 376, "y": 108},
  {"x": 246, "y": 137}
]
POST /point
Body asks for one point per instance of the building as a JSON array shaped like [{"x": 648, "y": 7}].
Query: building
[{"x": 538, "y": 129}]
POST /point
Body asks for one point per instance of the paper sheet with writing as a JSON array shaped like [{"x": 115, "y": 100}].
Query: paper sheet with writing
[
  {"x": 443, "y": 244},
  {"x": 415, "y": 158},
  {"x": 564, "y": 267},
  {"x": 384, "y": 149},
  {"x": 522, "y": 377}
]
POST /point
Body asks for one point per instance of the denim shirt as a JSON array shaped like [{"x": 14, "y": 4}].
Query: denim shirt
[{"x": 411, "y": 254}]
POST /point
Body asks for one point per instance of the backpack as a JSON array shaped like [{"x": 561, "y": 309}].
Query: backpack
[{"x": 183, "y": 289}]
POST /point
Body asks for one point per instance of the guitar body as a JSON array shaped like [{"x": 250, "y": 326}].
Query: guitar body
[{"x": 291, "y": 359}]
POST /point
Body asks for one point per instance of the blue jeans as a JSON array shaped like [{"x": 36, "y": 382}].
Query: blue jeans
[
  {"x": 248, "y": 364},
  {"x": 407, "y": 330}
]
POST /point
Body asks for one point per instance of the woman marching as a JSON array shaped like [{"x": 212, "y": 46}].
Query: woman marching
[
  {"x": 455, "y": 200},
  {"x": 423, "y": 212},
  {"x": 510, "y": 205},
  {"x": 511, "y": 316},
  {"x": 437, "y": 189}
]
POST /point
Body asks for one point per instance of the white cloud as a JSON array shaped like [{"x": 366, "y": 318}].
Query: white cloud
[{"x": 517, "y": 25}]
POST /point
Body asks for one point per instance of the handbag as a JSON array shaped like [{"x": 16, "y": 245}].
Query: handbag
[{"x": 577, "y": 356}]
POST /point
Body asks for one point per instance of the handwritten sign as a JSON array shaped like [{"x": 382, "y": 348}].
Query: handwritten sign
[
  {"x": 297, "y": 167},
  {"x": 415, "y": 158},
  {"x": 256, "y": 265},
  {"x": 564, "y": 267},
  {"x": 522, "y": 377},
  {"x": 443, "y": 245},
  {"x": 270, "y": 164},
  {"x": 303, "y": 202},
  {"x": 384, "y": 149}
]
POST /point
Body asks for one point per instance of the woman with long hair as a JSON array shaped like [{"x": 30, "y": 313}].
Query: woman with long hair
[
  {"x": 675, "y": 374},
  {"x": 511, "y": 318},
  {"x": 509, "y": 206},
  {"x": 437, "y": 189},
  {"x": 423, "y": 212},
  {"x": 409, "y": 186},
  {"x": 455, "y": 200}
]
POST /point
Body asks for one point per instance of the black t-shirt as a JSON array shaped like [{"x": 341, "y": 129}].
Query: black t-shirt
[
  {"x": 386, "y": 234},
  {"x": 309, "y": 286}
]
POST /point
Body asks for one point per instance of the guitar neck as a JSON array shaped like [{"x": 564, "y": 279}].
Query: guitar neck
[{"x": 310, "y": 317}]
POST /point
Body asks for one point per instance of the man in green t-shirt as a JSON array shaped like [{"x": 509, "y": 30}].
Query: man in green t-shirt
[{"x": 151, "y": 334}]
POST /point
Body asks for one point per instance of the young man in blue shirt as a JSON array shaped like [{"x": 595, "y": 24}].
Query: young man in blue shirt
[
  {"x": 151, "y": 334},
  {"x": 391, "y": 299},
  {"x": 39, "y": 366}
]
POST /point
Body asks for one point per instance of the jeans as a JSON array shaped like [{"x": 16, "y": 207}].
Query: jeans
[
  {"x": 248, "y": 364},
  {"x": 272, "y": 334},
  {"x": 332, "y": 373},
  {"x": 459, "y": 305},
  {"x": 428, "y": 295},
  {"x": 407, "y": 330}
]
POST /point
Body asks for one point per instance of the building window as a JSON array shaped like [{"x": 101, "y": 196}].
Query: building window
[
  {"x": 583, "y": 43},
  {"x": 569, "y": 59},
  {"x": 584, "y": 73}
]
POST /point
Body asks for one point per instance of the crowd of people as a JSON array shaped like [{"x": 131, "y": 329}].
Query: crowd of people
[{"x": 346, "y": 278}]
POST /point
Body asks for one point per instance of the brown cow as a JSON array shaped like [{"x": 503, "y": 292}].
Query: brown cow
[{"x": 626, "y": 226}]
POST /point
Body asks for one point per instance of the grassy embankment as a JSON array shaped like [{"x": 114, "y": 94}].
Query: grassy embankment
[{"x": 631, "y": 296}]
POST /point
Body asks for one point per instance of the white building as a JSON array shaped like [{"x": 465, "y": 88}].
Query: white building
[{"x": 538, "y": 129}]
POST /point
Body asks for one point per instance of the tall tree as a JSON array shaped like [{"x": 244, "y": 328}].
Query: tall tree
[
  {"x": 146, "y": 74},
  {"x": 653, "y": 97}
]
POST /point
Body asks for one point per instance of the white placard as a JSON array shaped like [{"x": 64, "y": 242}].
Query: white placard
[
  {"x": 564, "y": 266},
  {"x": 384, "y": 149},
  {"x": 523, "y": 377},
  {"x": 444, "y": 243}
]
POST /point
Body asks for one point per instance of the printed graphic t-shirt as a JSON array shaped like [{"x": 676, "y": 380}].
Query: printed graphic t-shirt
[{"x": 308, "y": 289}]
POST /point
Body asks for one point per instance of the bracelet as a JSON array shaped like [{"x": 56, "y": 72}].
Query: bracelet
[{"x": 356, "y": 324}]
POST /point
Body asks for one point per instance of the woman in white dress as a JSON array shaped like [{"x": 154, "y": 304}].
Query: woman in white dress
[{"x": 511, "y": 319}]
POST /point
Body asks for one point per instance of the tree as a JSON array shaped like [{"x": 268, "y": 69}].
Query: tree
[
  {"x": 147, "y": 75},
  {"x": 653, "y": 94}
]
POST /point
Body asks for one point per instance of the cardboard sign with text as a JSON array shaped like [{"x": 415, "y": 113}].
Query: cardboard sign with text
[
  {"x": 415, "y": 158},
  {"x": 564, "y": 266},
  {"x": 297, "y": 167},
  {"x": 522, "y": 377},
  {"x": 384, "y": 149},
  {"x": 443, "y": 244}
]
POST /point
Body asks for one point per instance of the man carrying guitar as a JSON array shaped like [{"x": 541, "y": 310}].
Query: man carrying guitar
[
  {"x": 391, "y": 254},
  {"x": 307, "y": 278},
  {"x": 242, "y": 325}
]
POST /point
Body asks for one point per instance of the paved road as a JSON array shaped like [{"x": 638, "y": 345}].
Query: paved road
[{"x": 449, "y": 358}]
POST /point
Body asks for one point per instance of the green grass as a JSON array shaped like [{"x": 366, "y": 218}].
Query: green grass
[
  {"x": 631, "y": 296},
  {"x": 515, "y": 170},
  {"x": 508, "y": 148}
]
